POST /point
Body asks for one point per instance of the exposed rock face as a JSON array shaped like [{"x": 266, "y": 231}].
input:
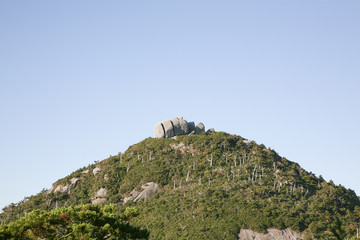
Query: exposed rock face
[
  {"x": 177, "y": 126},
  {"x": 149, "y": 189},
  {"x": 132, "y": 196},
  {"x": 272, "y": 234},
  {"x": 96, "y": 170},
  {"x": 101, "y": 193},
  {"x": 99, "y": 196},
  {"x": 61, "y": 188},
  {"x": 65, "y": 188}
]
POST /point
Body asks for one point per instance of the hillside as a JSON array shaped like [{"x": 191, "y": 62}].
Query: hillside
[{"x": 210, "y": 186}]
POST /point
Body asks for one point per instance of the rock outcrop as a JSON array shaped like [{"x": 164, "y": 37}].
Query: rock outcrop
[
  {"x": 149, "y": 189},
  {"x": 96, "y": 170},
  {"x": 65, "y": 188},
  {"x": 272, "y": 234},
  {"x": 100, "y": 196},
  {"x": 177, "y": 126}
]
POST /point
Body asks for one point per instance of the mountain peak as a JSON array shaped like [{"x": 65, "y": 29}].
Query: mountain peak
[{"x": 207, "y": 185}]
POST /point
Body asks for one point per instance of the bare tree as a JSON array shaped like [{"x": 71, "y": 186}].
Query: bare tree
[
  {"x": 211, "y": 160},
  {"x": 188, "y": 176}
]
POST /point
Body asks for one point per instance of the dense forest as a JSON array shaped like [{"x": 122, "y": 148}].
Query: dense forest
[{"x": 211, "y": 186}]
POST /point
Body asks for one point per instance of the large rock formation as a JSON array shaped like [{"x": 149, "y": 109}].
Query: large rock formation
[
  {"x": 177, "y": 126},
  {"x": 272, "y": 234},
  {"x": 65, "y": 188},
  {"x": 149, "y": 189}
]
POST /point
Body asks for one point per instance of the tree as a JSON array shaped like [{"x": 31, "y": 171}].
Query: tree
[{"x": 78, "y": 222}]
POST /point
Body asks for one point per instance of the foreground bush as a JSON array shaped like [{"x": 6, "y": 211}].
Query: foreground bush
[{"x": 78, "y": 222}]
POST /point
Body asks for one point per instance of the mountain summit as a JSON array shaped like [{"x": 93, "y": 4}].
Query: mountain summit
[{"x": 207, "y": 186}]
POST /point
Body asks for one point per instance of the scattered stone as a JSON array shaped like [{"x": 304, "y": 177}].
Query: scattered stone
[
  {"x": 272, "y": 234},
  {"x": 96, "y": 170},
  {"x": 106, "y": 178},
  {"x": 85, "y": 171},
  {"x": 177, "y": 146}
]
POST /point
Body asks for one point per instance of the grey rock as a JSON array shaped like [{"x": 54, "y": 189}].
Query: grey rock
[
  {"x": 65, "y": 188},
  {"x": 149, "y": 189},
  {"x": 61, "y": 188},
  {"x": 177, "y": 129},
  {"x": 211, "y": 130},
  {"x": 159, "y": 130},
  {"x": 96, "y": 170},
  {"x": 200, "y": 128},
  {"x": 100, "y": 196},
  {"x": 177, "y": 126},
  {"x": 183, "y": 125},
  {"x": 246, "y": 141},
  {"x": 106, "y": 178},
  {"x": 272, "y": 234},
  {"x": 132, "y": 196},
  {"x": 169, "y": 129},
  {"x": 101, "y": 193},
  {"x": 74, "y": 181}
]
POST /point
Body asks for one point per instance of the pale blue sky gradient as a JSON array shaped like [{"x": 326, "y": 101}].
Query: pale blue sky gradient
[{"x": 80, "y": 80}]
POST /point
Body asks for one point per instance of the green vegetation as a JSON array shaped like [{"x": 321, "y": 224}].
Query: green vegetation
[
  {"x": 79, "y": 222},
  {"x": 211, "y": 186}
]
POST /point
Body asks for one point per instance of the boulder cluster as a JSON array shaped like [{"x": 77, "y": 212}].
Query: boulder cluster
[{"x": 177, "y": 126}]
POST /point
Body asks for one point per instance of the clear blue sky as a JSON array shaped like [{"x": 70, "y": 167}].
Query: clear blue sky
[{"x": 80, "y": 80}]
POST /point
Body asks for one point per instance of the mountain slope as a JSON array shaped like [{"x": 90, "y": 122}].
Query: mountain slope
[{"x": 210, "y": 186}]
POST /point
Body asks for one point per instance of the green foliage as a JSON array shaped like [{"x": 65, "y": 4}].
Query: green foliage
[
  {"x": 78, "y": 222},
  {"x": 211, "y": 185}
]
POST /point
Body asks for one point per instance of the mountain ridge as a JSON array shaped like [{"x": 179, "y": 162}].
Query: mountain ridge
[{"x": 211, "y": 182}]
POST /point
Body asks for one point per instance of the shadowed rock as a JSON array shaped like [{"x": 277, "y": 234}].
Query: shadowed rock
[{"x": 200, "y": 128}]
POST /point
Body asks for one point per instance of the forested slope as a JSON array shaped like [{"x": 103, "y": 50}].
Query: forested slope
[{"x": 210, "y": 187}]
